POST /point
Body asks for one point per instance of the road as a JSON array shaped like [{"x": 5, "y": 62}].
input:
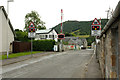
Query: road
[{"x": 69, "y": 64}]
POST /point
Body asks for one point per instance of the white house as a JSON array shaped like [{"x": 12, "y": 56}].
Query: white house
[
  {"x": 6, "y": 32},
  {"x": 46, "y": 34}
]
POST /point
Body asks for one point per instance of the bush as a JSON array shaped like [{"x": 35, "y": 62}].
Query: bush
[{"x": 43, "y": 45}]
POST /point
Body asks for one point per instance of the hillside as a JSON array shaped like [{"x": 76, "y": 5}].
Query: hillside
[{"x": 78, "y": 27}]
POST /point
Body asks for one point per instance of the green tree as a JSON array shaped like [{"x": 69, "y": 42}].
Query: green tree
[
  {"x": 35, "y": 18},
  {"x": 21, "y": 36},
  {"x": 90, "y": 40}
]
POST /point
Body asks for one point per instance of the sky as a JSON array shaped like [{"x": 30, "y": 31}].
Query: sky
[{"x": 50, "y": 10}]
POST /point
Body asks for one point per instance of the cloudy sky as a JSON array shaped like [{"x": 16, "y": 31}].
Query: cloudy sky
[{"x": 50, "y": 10}]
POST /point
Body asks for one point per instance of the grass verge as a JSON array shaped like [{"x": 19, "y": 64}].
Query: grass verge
[{"x": 14, "y": 55}]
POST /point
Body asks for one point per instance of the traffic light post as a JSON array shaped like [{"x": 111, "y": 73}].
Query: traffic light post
[
  {"x": 61, "y": 35},
  {"x": 31, "y": 34},
  {"x": 31, "y": 47},
  {"x": 96, "y": 28}
]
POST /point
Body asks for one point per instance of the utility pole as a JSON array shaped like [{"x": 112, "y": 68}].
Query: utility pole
[
  {"x": 109, "y": 12},
  {"x": 8, "y": 5},
  {"x": 7, "y": 28}
]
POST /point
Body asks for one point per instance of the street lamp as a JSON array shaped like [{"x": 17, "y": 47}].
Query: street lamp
[
  {"x": 7, "y": 28},
  {"x": 8, "y": 5}
]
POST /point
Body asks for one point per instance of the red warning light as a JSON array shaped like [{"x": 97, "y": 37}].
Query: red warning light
[
  {"x": 33, "y": 30},
  {"x": 29, "y": 30}
]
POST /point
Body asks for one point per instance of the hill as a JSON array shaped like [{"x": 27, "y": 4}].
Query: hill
[{"x": 78, "y": 27}]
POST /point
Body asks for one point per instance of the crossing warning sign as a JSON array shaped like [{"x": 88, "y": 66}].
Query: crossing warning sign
[
  {"x": 95, "y": 28},
  {"x": 96, "y": 22}
]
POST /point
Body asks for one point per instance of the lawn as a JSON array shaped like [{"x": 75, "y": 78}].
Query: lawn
[{"x": 18, "y": 54}]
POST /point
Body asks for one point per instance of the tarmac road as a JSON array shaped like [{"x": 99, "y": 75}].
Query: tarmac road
[{"x": 69, "y": 64}]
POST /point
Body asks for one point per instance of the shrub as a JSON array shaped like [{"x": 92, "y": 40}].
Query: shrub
[{"x": 43, "y": 45}]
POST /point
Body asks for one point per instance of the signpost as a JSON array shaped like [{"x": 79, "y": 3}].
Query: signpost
[
  {"x": 31, "y": 30},
  {"x": 96, "y": 28},
  {"x": 31, "y": 33}
]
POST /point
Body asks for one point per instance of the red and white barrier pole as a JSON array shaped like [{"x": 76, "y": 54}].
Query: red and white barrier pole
[{"x": 61, "y": 20}]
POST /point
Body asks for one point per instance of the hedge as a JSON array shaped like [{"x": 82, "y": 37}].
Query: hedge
[{"x": 43, "y": 45}]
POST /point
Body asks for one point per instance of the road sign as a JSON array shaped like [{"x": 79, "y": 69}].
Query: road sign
[
  {"x": 31, "y": 25},
  {"x": 31, "y": 30},
  {"x": 95, "y": 28},
  {"x": 96, "y": 22},
  {"x": 31, "y": 35}
]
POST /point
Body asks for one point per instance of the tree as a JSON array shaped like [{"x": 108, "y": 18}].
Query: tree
[
  {"x": 35, "y": 18},
  {"x": 90, "y": 40},
  {"x": 21, "y": 36}
]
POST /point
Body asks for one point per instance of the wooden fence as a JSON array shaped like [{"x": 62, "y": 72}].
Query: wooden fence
[{"x": 21, "y": 47}]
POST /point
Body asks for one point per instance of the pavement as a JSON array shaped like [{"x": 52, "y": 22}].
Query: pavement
[{"x": 92, "y": 69}]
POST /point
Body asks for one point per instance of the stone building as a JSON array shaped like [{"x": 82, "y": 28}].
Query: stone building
[{"x": 108, "y": 48}]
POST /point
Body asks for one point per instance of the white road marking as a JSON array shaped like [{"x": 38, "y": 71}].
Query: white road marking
[{"x": 17, "y": 67}]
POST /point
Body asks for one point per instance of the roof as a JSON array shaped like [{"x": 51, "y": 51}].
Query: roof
[
  {"x": 6, "y": 15},
  {"x": 45, "y": 31},
  {"x": 77, "y": 41},
  {"x": 66, "y": 39}
]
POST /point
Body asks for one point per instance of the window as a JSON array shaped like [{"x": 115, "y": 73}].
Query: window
[
  {"x": 50, "y": 36},
  {"x": 40, "y": 36},
  {"x": 46, "y": 36},
  {"x": 53, "y": 36}
]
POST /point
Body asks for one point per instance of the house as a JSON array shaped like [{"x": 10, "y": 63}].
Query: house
[
  {"x": 76, "y": 40},
  {"x": 46, "y": 34},
  {"x": 71, "y": 40},
  {"x": 84, "y": 42},
  {"x": 7, "y": 33}
]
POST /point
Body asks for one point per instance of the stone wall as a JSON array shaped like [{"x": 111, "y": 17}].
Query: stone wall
[
  {"x": 108, "y": 51},
  {"x": 119, "y": 46}
]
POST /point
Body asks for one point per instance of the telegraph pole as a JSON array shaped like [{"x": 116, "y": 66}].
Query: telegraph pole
[
  {"x": 8, "y": 45},
  {"x": 108, "y": 12}
]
